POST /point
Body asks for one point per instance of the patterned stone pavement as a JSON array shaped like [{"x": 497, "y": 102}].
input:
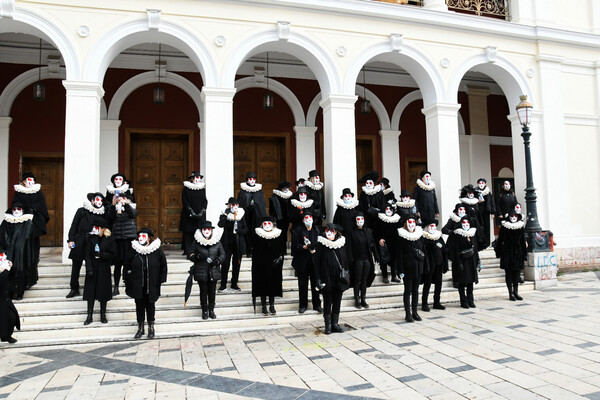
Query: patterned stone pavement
[{"x": 547, "y": 346}]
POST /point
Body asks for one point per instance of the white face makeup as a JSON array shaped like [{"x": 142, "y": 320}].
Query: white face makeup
[
  {"x": 506, "y": 185},
  {"x": 30, "y": 182},
  {"x": 302, "y": 197},
  {"x": 267, "y": 226},
  {"x": 513, "y": 218},
  {"x": 427, "y": 178},
  {"x": 411, "y": 224},
  {"x": 369, "y": 184},
  {"x": 330, "y": 233},
  {"x": 308, "y": 220},
  {"x": 234, "y": 208},
  {"x": 466, "y": 225},
  {"x": 206, "y": 232},
  {"x": 382, "y": 185},
  {"x": 518, "y": 209},
  {"x": 347, "y": 198},
  {"x": 3, "y": 258},
  {"x": 360, "y": 221},
  {"x": 118, "y": 181},
  {"x": 17, "y": 212},
  {"x": 197, "y": 179},
  {"x": 461, "y": 211},
  {"x": 98, "y": 201},
  {"x": 286, "y": 190},
  {"x": 300, "y": 184},
  {"x": 470, "y": 195},
  {"x": 432, "y": 228},
  {"x": 143, "y": 239},
  {"x": 481, "y": 185},
  {"x": 389, "y": 211},
  {"x": 251, "y": 181},
  {"x": 316, "y": 179},
  {"x": 95, "y": 230},
  {"x": 405, "y": 199}
]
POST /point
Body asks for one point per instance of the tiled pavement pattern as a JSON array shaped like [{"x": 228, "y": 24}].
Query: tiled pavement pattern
[{"x": 545, "y": 347}]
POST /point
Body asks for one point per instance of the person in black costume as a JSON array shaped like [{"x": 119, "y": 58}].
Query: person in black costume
[
  {"x": 9, "y": 316},
  {"x": 425, "y": 197},
  {"x": 279, "y": 209},
  {"x": 207, "y": 253},
  {"x": 386, "y": 235},
  {"x": 470, "y": 202},
  {"x": 119, "y": 186},
  {"x": 511, "y": 249},
  {"x": 315, "y": 192},
  {"x": 99, "y": 250},
  {"x": 29, "y": 195},
  {"x": 304, "y": 242},
  {"x": 454, "y": 219},
  {"x": 462, "y": 250},
  {"x": 388, "y": 191},
  {"x": 371, "y": 198},
  {"x": 487, "y": 209},
  {"x": 235, "y": 229},
  {"x": 436, "y": 253},
  {"x": 412, "y": 264},
  {"x": 252, "y": 200},
  {"x": 121, "y": 215},
  {"x": 300, "y": 182},
  {"x": 506, "y": 202},
  {"x": 300, "y": 203},
  {"x": 267, "y": 264},
  {"x": 80, "y": 226},
  {"x": 332, "y": 255},
  {"x": 193, "y": 208},
  {"x": 347, "y": 208},
  {"x": 407, "y": 205},
  {"x": 362, "y": 274},
  {"x": 16, "y": 237},
  {"x": 144, "y": 272}
]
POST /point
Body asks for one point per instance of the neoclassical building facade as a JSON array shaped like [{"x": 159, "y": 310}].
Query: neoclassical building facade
[{"x": 442, "y": 83}]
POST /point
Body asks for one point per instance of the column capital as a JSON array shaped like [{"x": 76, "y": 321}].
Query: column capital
[
  {"x": 338, "y": 101},
  {"x": 477, "y": 91},
  {"x": 446, "y": 109},
  {"x": 5, "y": 122},
  {"x": 84, "y": 89},
  {"x": 109, "y": 124},
  {"x": 219, "y": 95},
  {"x": 305, "y": 131},
  {"x": 389, "y": 134}
]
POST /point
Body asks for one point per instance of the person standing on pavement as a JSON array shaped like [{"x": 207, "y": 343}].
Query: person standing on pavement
[
  {"x": 436, "y": 253},
  {"x": 235, "y": 229},
  {"x": 267, "y": 264},
  {"x": 9, "y": 316},
  {"x": 304, "y": 243},
  {"x": 362, "y": 243},
  {"x": 462, "y": 250},
  {"x": 412, "y": 263},
  {"x": 511, "y": 249},
  {"x": 386, "y": 235}
]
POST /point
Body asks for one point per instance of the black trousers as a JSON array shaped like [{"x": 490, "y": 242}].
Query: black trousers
[
  {"x": 427, "y": 280},
  {"x": 187, "y": 239},
  {"x": 361, "y": 273},
  {"x": 122, "y": 247},
  {"x": 465, "y": 298},
  {"x": 75, "y": 270},
  {"x": 231, "y": 257},
  {"x": 144, "y": 306},
  {"x": 332, "y": 301},
  {"x": 393, "y": 270},
  {"x": 512, "y": 276},
  {"x": 303, "y": 283},
  {"x": 207, "y": 294},
  {"x": 411, "y": 293}
]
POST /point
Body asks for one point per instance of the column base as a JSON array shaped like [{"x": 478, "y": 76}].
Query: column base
[{"x": 542, "y": 268}]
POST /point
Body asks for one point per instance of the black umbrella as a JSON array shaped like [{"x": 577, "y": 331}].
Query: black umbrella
[{"x": 188, "y": 286}]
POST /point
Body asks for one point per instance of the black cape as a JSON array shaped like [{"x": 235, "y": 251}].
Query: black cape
[
  {"x": 9, "y": 316},
  {"x": 16, "y": 238},
  {"x": 36, "y": 202}
]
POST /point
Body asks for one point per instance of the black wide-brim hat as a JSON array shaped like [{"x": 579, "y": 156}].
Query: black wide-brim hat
[
  {"x": 405, "y": 193},
  {"x": 372, "y": 175},
  {"x": 346, "y": 191},
  {"x": 112, "y": 178},
  {"x": 466, "y": 218},
  {"x": 385, "y": 181},
  {"x": 302, "y": 189},
  {"x": 232, "y": 200},
  {"x": 300, "y": 181},
  {"x": 17, "y": 204},
  {"x": 423, "y": 172},
  {"x": 331, "y": 225},
  {"x": 429, "y": 221},
  {"x": 194, "y": 174},
  {"x": 268, "y": 218},
  {"x": 26, "y": 175},
  {"x": 101, "y": 222},
  {"x": 147, "y": 231},
  {"x": 457, "y": 206},
  {"x": 283, "y": 184},
  {"x": 206, "y": 225},
  {"x": 313, "y": 173},
  {"x": 92, "y": 196},
  {"x": 406, "y": 217},
  {"x": 251, "y": 174}
]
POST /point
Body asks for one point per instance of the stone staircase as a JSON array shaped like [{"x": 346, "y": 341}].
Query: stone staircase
[{"x": 48, "y": 318}]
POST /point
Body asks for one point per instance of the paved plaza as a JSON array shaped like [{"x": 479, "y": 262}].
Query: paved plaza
[{"x": 547, "y": 346}]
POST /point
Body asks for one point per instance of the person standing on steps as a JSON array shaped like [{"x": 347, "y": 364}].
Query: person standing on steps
[
  {"x": 346, "y": 210},
  {"x": 425, "y": 197},
  {"x": 267, "y": 265},
  {"x": 406, "y": 205},
  {"x": 9, "y": 316},
  {"x": 316, "y": 192},
  {"x": 371, "y": 198},
  {"x": 122, "y": 214},
  {"x": 235, "y": 229},
  {"x": 144, "y": 272},
  {"x": 119, "y": 186},
  {"x": 304, "y": 243},
  {"x": 208, "y": 254},
  {"x": 462, "y": 250},
  {"x": 363, "y": 244},
  {"x": 279, "y": 208},
  {"x": 487, "y": 209},
  {"x": 300, "y": 204},
  {"x": 507, "y": 200},
  {"x": 388, "y": 191},
  {"x": 252, "y": 200},
  {"x": 412, "y": 263},
  {"x": 193, "y": 208},
  {"x": 386, "y": 235},
  {"x": 436, "y": 253},
  {"x": 16, "y": 237},
  {"x": 511, "y": 249}
]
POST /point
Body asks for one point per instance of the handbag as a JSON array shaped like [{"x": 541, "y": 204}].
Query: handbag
[
  {"x": 419, "y": 254},
  {"x": 215, "y": 273},
  {"x": 467, "y": 253},
  {"x": 344, "y": 274},
  {"x": 384, "y": 255}
]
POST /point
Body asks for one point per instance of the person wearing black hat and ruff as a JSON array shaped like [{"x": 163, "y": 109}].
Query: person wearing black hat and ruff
[
  {"x": 346, "y": 210},
  {"x": 362, "y": 244},
  {"x": 235, "y": 229},
  {"x": 118, "y": 187},
  {"x": 29, "y": 195},
  {"x": 386, "y": 235},
  {"x": 462, "y": 251},
  {"x": 16, "y": 237},
  {"x": 279, "y": 209},
  {"x": 80, "y": 226},
  {"x": 267, "y": 264},
  {"x": 252, "y": 200},
  {"x": 425, "y": 197},
  {"x": 300, "y": 203},
  {"x": 208, "y": 254},
  {"x": 371, "y": 198},
  {"x": 407, "y": 205},
  {"x": 193, "y": 208},
  {"x": 145, "y": 270},
  {"x": 300, "y": 182},
  {"x": 506, "y": 202},
  {"x": 511, "y": 249},
  {"x": 471, "y": 203},
  {"x": 412, "y": 263},
  {"x": 9, "y": 316},
  {"x": 487, "y": 209},
  {"x": 387, "y": 189},
  {"x": 436, "y": 253},
  {"x": 304, "y": 242},
  {"x": 121, "y": 215},
  {"x": 316, "y": 192},
  {"x": 99, "y": 250},
  {"x": 332, "y": 265}
]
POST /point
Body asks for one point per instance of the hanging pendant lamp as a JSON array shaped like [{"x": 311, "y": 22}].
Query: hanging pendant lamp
[
  {"x": 159, "y": 92},
  {"x": 39, "y": 89},
  {"x": 268, "y": 97},
  {"x": 365, "y": 105}
]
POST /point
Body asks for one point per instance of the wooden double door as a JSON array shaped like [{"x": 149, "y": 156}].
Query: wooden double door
[{"x": 159, "y": 164}]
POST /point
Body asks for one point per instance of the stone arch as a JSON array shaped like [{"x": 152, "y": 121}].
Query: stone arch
[
  {"x": 136, "y": 31},
  {"x": 506, "y": 172},
  {"x": 313, "y": 109},
  {"x": 279, "y": 88},
  {"x": 300, "y": 46},
  {"x": 377, "y": 104},
  {"x": 25, "y": 79}
]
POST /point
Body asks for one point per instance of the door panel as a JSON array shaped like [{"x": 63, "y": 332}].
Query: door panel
[{"x": 364, "y": 158}]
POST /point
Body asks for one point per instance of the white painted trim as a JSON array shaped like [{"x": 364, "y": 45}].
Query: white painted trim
[
  {"x": 313, "y": 109},
  {"x": 377, "y": 105},
  {"x": 501, "y": 141},
  {"x": 305, "y": 149},
  {"x": 577, "y": 119},
  {"x": 4, "y": 145},
  {"x": 401, "y": 106},
  {"x": 19, "y": 83}
]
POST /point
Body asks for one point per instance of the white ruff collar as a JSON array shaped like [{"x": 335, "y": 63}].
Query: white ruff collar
[
  {"x": 353, "y": 204},
  {"x": 282, "y": 194},
  {"x": 432, "y": 236},
  {"x": 424, "y": 186},
  {"x": 300, "y": 204},
  {"x": 485, "y": 191},
  {"x": 371, "y": 192},
  {"x": 89, "y": 207},
  {"x": 267, "y": 235},
  {"x": 411, "y": 236},
  {"x": 390, "y": 220},
  {"x": 194, "y": 186},
  {"x": 111, "y": 189},
  {"x": 455, "y": 217},
  {"x": 17, "y": 220},
  {"x": 152, "y": 247},
  {"x": 214, "y": 239},
  {"x": 28, "y": 190},
  {"x": 513, "y": 225},
  {"x": 332, "y": 244},
  {"x": 410, "y": 204},
  {"x": 388, "y": 190},
  {"x": 462, "y": 232},
  {"x": 469, "y": 201},
  {"x": 237, "y": 216},
  {"x": 252, "y": 189},
  {"x": 314, "y": 186}
]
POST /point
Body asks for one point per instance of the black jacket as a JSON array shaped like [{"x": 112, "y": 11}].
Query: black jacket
[
  {"x": 297, "y": 210},
  {"x": 98, "y": 282},
  {"x": 123, "y": 225},
  {"x": 410, "y": 256},
  {"x": 346, "y": 217},
  {"x": 234, "y": 241},
  {"x": 320, "y": 206},
  {"x": 506, "y": 203},
  {"x": 327, "y": 267},
  {"x": 81, "y": 225},
  {"x": 370, "y": 205},
  {"x": 267, "y": 263},
  {"x": 436, "y": 253},
  {"x": 510, "y": 246},
  {"x": 254, "y": 205},
  {"x": 279, "y": 208},
  {"x": 464, "y": 269},
  {"x": 145, "y": 269},
  {"x": 201, "y": 250},
  {"x": 426, "y": 201},
  {"x": 302, "y": 260},
  {"x": 387, "y": 229},
  {"x": 354, "y": 242},
  {"x": 193, "y": 207},
  {"x": 16, "y": 239},
  {"x": 36, "y": 203}
]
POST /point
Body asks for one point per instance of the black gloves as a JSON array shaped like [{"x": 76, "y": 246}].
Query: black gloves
[
  {"x": 214, "y": 263},
  {"x": 278, "y": 260},
  {"x": 200, "y": 257}
]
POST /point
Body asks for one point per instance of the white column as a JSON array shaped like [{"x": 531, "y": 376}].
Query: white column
[
  {"x": 4, "y": 142},
  {"x": 305, "y": 150},
  {"x": 443, "y": 153},
  {"x": 339, "y": 144},
  {"x": 439, "y": 5},
  {"x": 464, "y": 142},
  {"x": 216, "y": 151},
  {"x": 82, "y": 147},
  {"x": 109, "y": 151},
  {"x": 390, "y": 158},
  {"x": 480, "y": 159}
]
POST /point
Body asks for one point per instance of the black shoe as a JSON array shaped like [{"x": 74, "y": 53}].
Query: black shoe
[
  {"x": 386, "y": 280},
  {"x": 464, "y": 305},
  {"x": 116, "y": 291},
  {"x": 103, "y": 318},
  {"x": 88, "y": 320},
  {"x": 472, "y": 305},
  {"x": 301, "y": 310},
  {"x": 140, "y": 331},
  {"x": 204, "y": 314},
  {"x": 264, "y": 311},
  {"x": 9, "y": 339},
  {"x": 150, "y": 330},
  {"x": 438, "y": 306},
  {"x": 364, "y": 304},
  {"x": 235, "y": 287},
  {"x": 518, "y": 297},
  {"x": 222, "y": 288},
  {"x": 408, "y": 317},
  {"x": 212, "y": 314},
  {"x": 395, "y": 279},
  {"x": 19, "y": 297},
  {"x": 511, "y": 297},
  {"x": 416, "y": 315},
  {"x": 327, "y": 319},
  {"x": 272, "y": 310},
  {"x": 73, "y": 293},
  {"x": 357, "y": 304},
  {"x": 318, "y": 309},
  {"x": 425, "y": 307}
]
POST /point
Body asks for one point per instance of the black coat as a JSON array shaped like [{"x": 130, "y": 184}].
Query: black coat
[
  {"x": 436, "y": 253},
  {"x": 505, "y": 204},
  {"x": 98, "y": 282},
  {"x": 426, "y": 201},
  {"x": 110, "y": 193},
  {"x": 370, "y": 205},
  {"x": 123, "y": 225},
  {"x": 192, "y": 200},
  {"x": 510, "y": 246},
  {"x": 9, "y": 316},
  {"x": 144, "y": 271},
  {"x": 16, "y": 239},
  {"x": 82, "y": 224},
  {"x": 388, "y": 194},
  {"x": 464, "y": 270},
  {"x": 36, "y": 203},
  {"x": 297, "y": 210},
  {"x": 408, "y": 261},
  {"x": 254, "y": 205},
  {"x": 406, "y": 209},
  {"x": 327, "y": 268},
  {"x": 487, "y": 206},
  {"x": 345, "y": 217},
  {"x": 473, "y": 212},
  {"x": 302, "y": 260},
  {"x": 234, "y": 243},
  {"x": 387, "y": 230},
  {"x": 267, "y": 264},
  {"x": 202, "y": 249},
  {"x": 354, "y": 243},
  {"x": 320, "y": 206},
  {"x": 452, "y": 224},
  {"x": 279, "y": 208}
]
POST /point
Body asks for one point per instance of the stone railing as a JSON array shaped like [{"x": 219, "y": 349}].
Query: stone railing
[{"x": 486, "y": 8}]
